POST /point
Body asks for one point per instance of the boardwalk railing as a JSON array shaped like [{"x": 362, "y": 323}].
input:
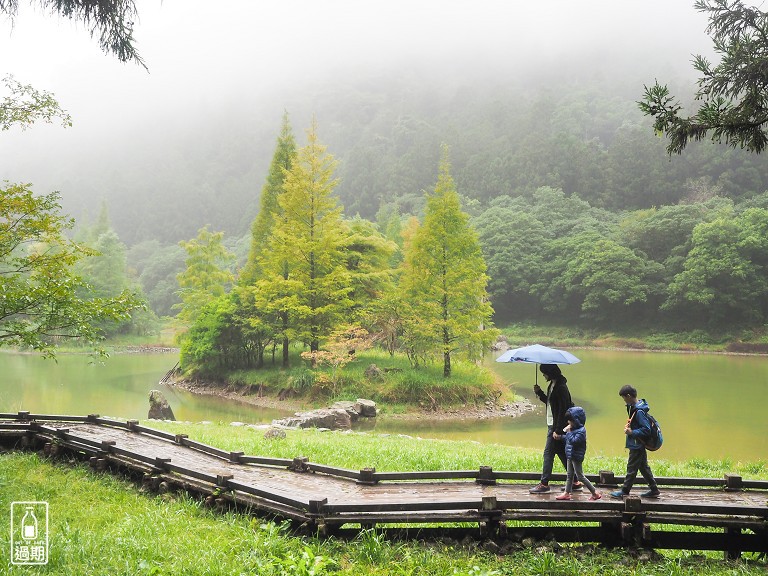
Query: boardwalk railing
[{"x": 328, "y": 499}]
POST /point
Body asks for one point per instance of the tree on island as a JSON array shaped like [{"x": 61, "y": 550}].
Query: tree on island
[
  {"x": 444, "y": 278},
  {"x": 305, "y": 278},
  {"x": 275, "y": 323},
  {"x": 733, "y": 94}
]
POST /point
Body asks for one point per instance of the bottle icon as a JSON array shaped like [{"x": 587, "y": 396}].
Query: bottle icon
[{"x": 29, "y": 525}]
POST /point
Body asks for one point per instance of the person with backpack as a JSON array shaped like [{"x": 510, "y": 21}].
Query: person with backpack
[
  {"x": 637, "y": 430},
  {"x": 557, "y": 400},
  {"x": 575, "y": 450}
]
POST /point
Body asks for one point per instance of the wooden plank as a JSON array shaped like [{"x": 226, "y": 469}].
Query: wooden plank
[
  {"x": 284, "y": 462},
  {"x": 425, "y": 475},
  {"x": 403, "y": 506},
  {"x": 703, "y": 520},
  {"x": 199, "y": 446},
  {"x": 153, "y": 432},
  {"x": 248, "y": 489},
  {"x": 14, "y": 426},
  {"x": 50, "y": 417},
  {"x": 405, "y": 518},
  {"x": 110, "y": 422},
  {"x": 182, "y": 471},
  {"x": 333, "y": 471}
]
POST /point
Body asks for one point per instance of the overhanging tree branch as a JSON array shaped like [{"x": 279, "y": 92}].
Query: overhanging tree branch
[
  {"x": 733, "y": 94},
  {"x": 112, "y": 20}
]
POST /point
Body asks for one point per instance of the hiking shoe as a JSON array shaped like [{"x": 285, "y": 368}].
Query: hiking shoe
[
  {"x": 564, "y": 496},
  {"x": 539, "y": 489},
  {"x": 617, "y": 494},
  {"x": 577, "y": 487},
  {"x": 596, "y": 496},
  {"x": 651, "y": 494}
]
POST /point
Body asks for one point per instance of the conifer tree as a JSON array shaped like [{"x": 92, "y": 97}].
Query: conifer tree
[
  {"x": 444, "y": 277},
  {"x": 261, "y": 232},
  {"x": 305, "y": 276},
  {"x": 269, "y": 208},
  {"x": 207, "y": 275}
]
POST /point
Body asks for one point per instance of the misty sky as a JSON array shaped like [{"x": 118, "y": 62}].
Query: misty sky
[{"x": 208, "y": 56}]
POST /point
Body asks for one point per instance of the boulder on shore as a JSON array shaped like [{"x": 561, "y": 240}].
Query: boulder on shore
[
  {"x": 338, "y": 417},
  {"x": 159, "y": 409},
  {"x": 331, "y": 418}
]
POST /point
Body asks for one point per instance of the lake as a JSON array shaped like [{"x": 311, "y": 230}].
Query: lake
[
  {"x": 709, "y": 405},
  {"x": 117, "y": 387}
]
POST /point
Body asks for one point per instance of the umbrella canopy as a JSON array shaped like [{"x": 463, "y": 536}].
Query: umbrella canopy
[{"x": 538, "y": 354}]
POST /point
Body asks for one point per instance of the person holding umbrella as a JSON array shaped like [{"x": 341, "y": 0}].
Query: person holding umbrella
[{"x": 557, "y": 400}]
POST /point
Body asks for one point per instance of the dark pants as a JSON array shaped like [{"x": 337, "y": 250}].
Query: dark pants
[
  {"x": 551, "y": 448},
  {"x": 638, "y": 462}
]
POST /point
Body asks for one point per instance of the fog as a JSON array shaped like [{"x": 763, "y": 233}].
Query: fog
[{"x": 245, "y": 61}]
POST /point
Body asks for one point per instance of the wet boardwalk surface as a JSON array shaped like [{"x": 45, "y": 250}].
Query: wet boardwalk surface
[{"x": 327, "y": 496}]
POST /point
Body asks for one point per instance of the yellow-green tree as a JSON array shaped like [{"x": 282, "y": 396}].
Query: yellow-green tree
[
  {"x": 207, "y": 275},
  {"x": 305, "y": 278},
  {"x": 444, "y": 279}
]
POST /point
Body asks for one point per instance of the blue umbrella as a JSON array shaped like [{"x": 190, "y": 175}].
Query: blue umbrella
[{"x": 538, "y": 354}]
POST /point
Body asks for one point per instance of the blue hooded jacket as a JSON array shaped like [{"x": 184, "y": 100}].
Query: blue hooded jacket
[
  {"x": 576, "y": 438},
  {"x": 639, "y": 424}
]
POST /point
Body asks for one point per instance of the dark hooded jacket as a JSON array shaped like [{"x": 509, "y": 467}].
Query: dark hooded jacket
[
  {"x": 639, "y": 424},
  {"x": 560, "y": 400},
  {"x": 576, "y": 438}
]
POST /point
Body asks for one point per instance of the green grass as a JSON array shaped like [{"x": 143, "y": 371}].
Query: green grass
[
  {"x": 398, "y": 386},
  {"x": 101, "y": 524}
]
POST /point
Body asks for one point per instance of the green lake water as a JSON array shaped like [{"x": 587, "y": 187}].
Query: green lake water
[
  {"x": 710, "y": 406},
  {"x": 118, "y": 387}
]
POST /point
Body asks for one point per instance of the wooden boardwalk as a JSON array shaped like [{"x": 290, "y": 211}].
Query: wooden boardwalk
[{"x": 485, "y": 502}]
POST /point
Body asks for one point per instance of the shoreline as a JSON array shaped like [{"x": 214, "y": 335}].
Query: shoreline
[{"x": 484, "y": 411}]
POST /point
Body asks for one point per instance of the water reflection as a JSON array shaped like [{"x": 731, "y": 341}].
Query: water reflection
[
  {"x": 118, "y": 388},
  {"x": 709, "y": 406}
]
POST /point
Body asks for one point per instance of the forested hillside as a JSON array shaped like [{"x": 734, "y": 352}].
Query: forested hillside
[
  {"x": 582, "y": 216},
  {"x": 507, "y": 136}
]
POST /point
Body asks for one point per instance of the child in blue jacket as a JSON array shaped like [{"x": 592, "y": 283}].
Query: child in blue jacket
[{"x": 575, "y": 450}]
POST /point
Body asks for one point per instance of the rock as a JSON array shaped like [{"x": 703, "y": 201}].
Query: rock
[
  {"x": 338, "y": 417},
  {"x": 367, "y": 408},
  {"x": 373, "y": 372},
  {"x": 331, "y": 418},
  {"x": 352, "y": 408},
  {"x": 159, "y": 409},
  {"x": 274, "y": 434}
]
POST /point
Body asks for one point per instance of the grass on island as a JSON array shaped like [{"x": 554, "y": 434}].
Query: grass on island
[
  {"x": 395, "y": 384},
  {"x": 101, "y": 524}
]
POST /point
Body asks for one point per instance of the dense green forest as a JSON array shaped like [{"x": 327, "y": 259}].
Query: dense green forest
[
  {"x": 585, "y": 136},
  {"x": 582, "y": 216}
]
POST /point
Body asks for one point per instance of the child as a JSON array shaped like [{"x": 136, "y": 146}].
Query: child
[
  {"x": 637, "y": 428},
  {"x": 575, "y": 449}
]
